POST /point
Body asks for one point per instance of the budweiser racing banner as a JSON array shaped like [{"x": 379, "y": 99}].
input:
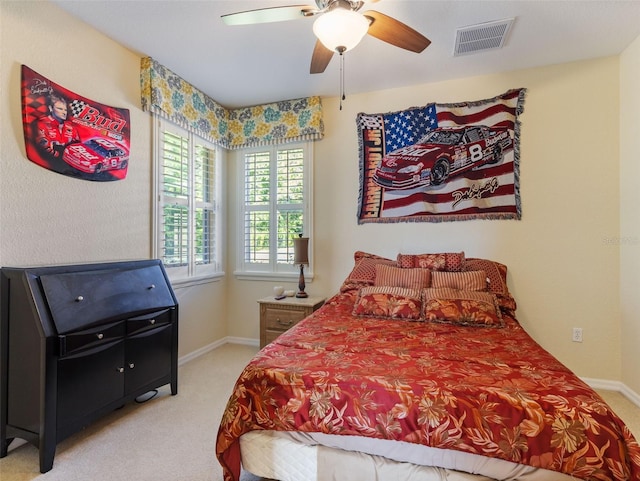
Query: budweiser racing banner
[
  {"x": 441, "y": 162},
  {"x": 73, "y": 135}
]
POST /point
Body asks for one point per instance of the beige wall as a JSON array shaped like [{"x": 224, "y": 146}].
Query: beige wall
[
  {"x": 564, "y": 271},
  {"x": 567, "y": 267},
  {"x": 47, "y": 218},
  {"x": 629, "y": 218}
]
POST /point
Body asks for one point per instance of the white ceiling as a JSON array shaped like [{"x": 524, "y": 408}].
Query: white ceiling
[{"x": 254, "y": 64}]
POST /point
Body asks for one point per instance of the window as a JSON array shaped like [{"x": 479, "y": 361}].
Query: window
[
  {"x": 275, "y": 207},
  {"x": 188, "y": 223}
]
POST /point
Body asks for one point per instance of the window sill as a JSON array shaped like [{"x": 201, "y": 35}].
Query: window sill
[
  {"x": 195, "y": 281},
  {"x": 272, "y": 276}
]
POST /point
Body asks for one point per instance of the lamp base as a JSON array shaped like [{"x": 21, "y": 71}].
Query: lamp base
[{"x": 301, "y": 284}]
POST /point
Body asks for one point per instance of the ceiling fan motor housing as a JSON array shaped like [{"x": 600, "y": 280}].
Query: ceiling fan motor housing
[{"x": 327, "y": 5}]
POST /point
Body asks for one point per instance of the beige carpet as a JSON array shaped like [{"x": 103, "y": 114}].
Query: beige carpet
[{"x": 170, "y": 438}]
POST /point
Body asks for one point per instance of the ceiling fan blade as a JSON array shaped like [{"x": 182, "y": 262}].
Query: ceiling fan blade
[
  {"x": 321, "y": 58},
  {"x": 266, "y": 15},
  {"x": 395, "y": 32}
]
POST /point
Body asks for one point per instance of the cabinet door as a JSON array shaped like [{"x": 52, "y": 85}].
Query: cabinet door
[
  {"x": 89, "y": 380},
  {"x": 148, "y": 357}
]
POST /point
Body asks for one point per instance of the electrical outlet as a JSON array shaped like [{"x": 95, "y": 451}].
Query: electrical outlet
[{"x": 577, "y": 334}]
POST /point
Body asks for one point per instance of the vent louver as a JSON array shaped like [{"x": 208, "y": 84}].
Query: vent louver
[{"x": 481, "y": 37}]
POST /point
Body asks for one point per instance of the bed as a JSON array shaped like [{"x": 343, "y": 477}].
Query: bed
[{"x": 417, "y": 369}]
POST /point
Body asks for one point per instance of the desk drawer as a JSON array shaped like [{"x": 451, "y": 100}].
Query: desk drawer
[
  {"x": 148, "y": 321},
  {"x": 88, "y": 338}
]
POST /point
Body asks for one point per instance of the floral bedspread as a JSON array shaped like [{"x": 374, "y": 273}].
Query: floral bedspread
[{"x": 488, "y": 391}]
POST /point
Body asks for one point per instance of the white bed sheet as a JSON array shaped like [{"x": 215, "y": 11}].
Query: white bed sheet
[{"x": 297, "y": 456}]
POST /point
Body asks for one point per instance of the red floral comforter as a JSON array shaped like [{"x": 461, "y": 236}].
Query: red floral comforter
[{"x": 488, "y": 391}]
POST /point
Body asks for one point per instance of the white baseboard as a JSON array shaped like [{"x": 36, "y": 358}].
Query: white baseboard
[
  {"x": 245, "y": 341},
  {"x": 617, "y": 386},
  {"x": 631, "y": 395}
]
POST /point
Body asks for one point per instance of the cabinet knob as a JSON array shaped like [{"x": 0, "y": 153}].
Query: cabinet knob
[
  {"x": 79, "y": 299},
  {"x": 100, "y": 335},
  {"x": 152, "y": 321},
  {"x": 152, "y": 286},
  {"x": 121, "y": 369},
  {"x": 286, "y": 323},
  {"x": 131, "y": 365}
]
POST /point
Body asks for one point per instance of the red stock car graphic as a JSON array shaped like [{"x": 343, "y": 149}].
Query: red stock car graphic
[
  {"x": 442, "y": 153},
  {"x": 95, "y": 156}
]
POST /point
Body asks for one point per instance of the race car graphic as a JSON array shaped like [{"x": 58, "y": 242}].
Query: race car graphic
[
  {"x": 442, "y": 153},
  {"x": 95, "y": 156}
]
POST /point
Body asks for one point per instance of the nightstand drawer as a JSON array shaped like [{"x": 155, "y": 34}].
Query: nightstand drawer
[
  {"x": 276, "y": 316},
  {"x": 271, "y": 336},
  {"x": 282, "y": 319}
]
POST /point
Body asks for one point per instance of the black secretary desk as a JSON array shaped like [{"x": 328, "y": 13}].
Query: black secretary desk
[{"x": 77, "y": 342}]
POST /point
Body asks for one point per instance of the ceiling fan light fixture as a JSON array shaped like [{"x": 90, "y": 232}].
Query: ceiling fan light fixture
[{"x": 340, "y": 29}]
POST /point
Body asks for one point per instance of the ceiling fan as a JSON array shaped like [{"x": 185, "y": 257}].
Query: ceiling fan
[{"x": 339, "y": 27}]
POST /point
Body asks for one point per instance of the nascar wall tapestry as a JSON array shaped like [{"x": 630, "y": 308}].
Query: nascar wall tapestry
[
  {"x": 72, "y": 135},
  {"x": 441, "y": 162}
]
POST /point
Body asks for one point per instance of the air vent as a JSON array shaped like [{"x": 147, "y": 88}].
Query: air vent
[{"x": 481, "y": 37}]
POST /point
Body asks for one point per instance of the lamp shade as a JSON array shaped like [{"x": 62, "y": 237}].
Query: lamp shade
[
  {"x": 301, "y": 250},
  {"x": 340, "y": 29}
]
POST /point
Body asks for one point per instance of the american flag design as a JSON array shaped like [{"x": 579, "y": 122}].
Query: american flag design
[{"x": 490, "y": 191}]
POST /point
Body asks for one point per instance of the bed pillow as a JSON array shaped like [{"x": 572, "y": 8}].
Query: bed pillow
[
  {"x": 465, "y": 308},
  {"x": 466, "y": 281},
  {"x": 389, "y": 302},
  {"x": 363, "y": 272},
  {"x": 496, "y": 281},
  {"x": 445, "y": 261},
  {"x": 365, "y": 269},
  {"x": 396, "y": 277},
  {"x": 357, "y": 255}
]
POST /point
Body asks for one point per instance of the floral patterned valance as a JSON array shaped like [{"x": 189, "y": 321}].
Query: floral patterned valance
[
  {"x": 166, "y": 94},
  {"x": 286, "y": 121}
]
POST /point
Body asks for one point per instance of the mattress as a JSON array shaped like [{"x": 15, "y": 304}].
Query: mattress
[
  {"x": 425, "y": 373},
  {"x": 295, "y": 456}
]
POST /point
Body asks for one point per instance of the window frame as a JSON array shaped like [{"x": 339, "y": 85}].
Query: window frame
[
  {"x": 192, "y": 273},
  {"x": 274, "y": 270}
]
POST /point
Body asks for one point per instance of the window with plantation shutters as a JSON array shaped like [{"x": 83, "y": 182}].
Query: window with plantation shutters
[
  {"x": 187, "y": 221},
  {"x": 275, "y": 208}
]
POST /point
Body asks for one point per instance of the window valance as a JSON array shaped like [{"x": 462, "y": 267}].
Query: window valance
[{"x": 168, "y": 95}]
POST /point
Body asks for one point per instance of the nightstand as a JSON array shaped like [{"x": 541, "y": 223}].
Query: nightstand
[{"x": 278, "y": 316}]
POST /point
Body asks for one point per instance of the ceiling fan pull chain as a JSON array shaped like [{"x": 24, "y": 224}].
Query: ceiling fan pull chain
[{"x": 341, "y": 51}]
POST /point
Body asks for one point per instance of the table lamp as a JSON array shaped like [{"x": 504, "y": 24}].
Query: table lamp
[{"x": 301, "y": 257}]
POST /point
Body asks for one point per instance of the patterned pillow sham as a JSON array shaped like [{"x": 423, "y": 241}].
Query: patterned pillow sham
[
  {"x": 363, "y": 272},
  {"x": 445, "y": 261},
  {"x": 497, "y": 280},
  {"x": 464, "y": 308},
  {"x": 389, "y": 302},
  {"x": 466, "y": 281},
  {"x": 397, "y": 277},
  {"x": 357, "y": 255}
]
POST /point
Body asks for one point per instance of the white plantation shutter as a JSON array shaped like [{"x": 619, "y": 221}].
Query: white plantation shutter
[
  {"x": 257, "y": 188},
  {"x": 175, "y": 209},
  {"x": 187, "y": 186},
  {"x": 275, "y": 207},
  {"x": 290, "y": 201},
  {"x": 205, "y": 218}
]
